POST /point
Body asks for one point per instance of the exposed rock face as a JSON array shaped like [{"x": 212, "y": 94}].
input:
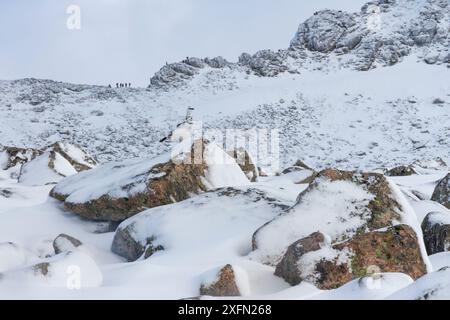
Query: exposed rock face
[
  {"x": 393, "y": 250},
  {"x": 436, "y": 232},
  {"x": 400, "y": 171},
  {"x": 64, "y": 242},
  {"x": 224, "y": 286},
  {"x": 245, "y": 162},
  {"x": 442, "y": 192}
]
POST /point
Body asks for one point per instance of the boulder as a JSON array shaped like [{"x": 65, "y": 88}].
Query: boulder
[
  {"x": 64, "y": 242},
  {"x": 117, "y": 191},
  {"x": 400, "y": 171},
  {"x": 436, "y": 232},
  {"x": 395, "y": 249},
  {"x": 221, "y": 284},
  {"x": 240, "y": 212},
  {"x": 441, "y": 193}
]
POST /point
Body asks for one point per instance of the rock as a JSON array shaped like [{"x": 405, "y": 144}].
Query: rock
[
  {"x": 426, "y": 166},
  {"x": 400, "y": 171},
  {"x": 436, "y": 232},
  {"x": 117, "y": 191},
  {"x": 13, "y": 156},
  {"x": 223, "y": 284},
  {"x": 322, "y": 31},
  {"x": 441, "y": 193},
  {"x": 432, "y": 286},
  {"x": 79, "y": 159},
  {"x": 286, "y": 268},
  {"x": 265, "y": 63},
  {"x": 438, "y": 101},
  {"x": 13, "y": 256},
  {"x": 338, "y": 203},
  {"x": 64, "y": 242},
  {"x": 217, "y": 62},
  {"x": 395, "y": 249},
  {"x": 245, "y": 162}
]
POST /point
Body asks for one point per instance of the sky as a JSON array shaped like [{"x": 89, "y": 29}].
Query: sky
[{"x": 129, "y": 40}]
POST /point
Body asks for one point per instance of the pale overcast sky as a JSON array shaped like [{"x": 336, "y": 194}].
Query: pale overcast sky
[{"x": 129, "y": 40}]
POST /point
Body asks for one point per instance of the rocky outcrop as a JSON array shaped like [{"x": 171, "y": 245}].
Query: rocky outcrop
[
  {"x": 441, "y": 193},
  {"x": 395, "y": 249},
  {"x": 13, "y": 156},
  {"x": 77, "y": 158},
  {"x": 436, "y": 232},
  {"x": 245, "y": 162},
  {"x": 265, "y": 63},
  {"x": 286, "y": 268},
  {"x": 64, "y": 242},
  {"x": 224, "y": 284}
]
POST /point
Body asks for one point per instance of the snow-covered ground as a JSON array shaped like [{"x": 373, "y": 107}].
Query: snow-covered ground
[{"x": 328, "y": 115}]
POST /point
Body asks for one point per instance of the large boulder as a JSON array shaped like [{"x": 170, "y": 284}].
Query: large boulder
[
  {"x": 216, "y": 217},
  {"x": 117, "y": 191},
  {"x": 400, "y": 171},
  {"x": 357, "y": 214},
  {"x": 441, "y": 193},
  {"x": 395, "y": 249},
  {"x": 436, "y": 232}
]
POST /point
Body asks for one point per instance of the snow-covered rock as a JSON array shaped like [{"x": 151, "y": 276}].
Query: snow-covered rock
[
  {"x": 442, "y": 192},
  {"x": 217, "y": 217},
  {"x": 436, "y": 232},
  {"x": 64, "y": 242},
  {"x": 117, "y": 191},
  {"x": 71, "y": 270},
  {"x": 352, "y": 210},
  {"x": 13, "y": 256},
  {"x": 374, "y": 287},
  {"x": 222, "y": 282},
  {"x": 432, "y": 286}
]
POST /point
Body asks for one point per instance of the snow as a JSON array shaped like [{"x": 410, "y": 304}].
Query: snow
[
  {"x": 327, "y": 114},
  {"x": 37, "y": 171}
]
